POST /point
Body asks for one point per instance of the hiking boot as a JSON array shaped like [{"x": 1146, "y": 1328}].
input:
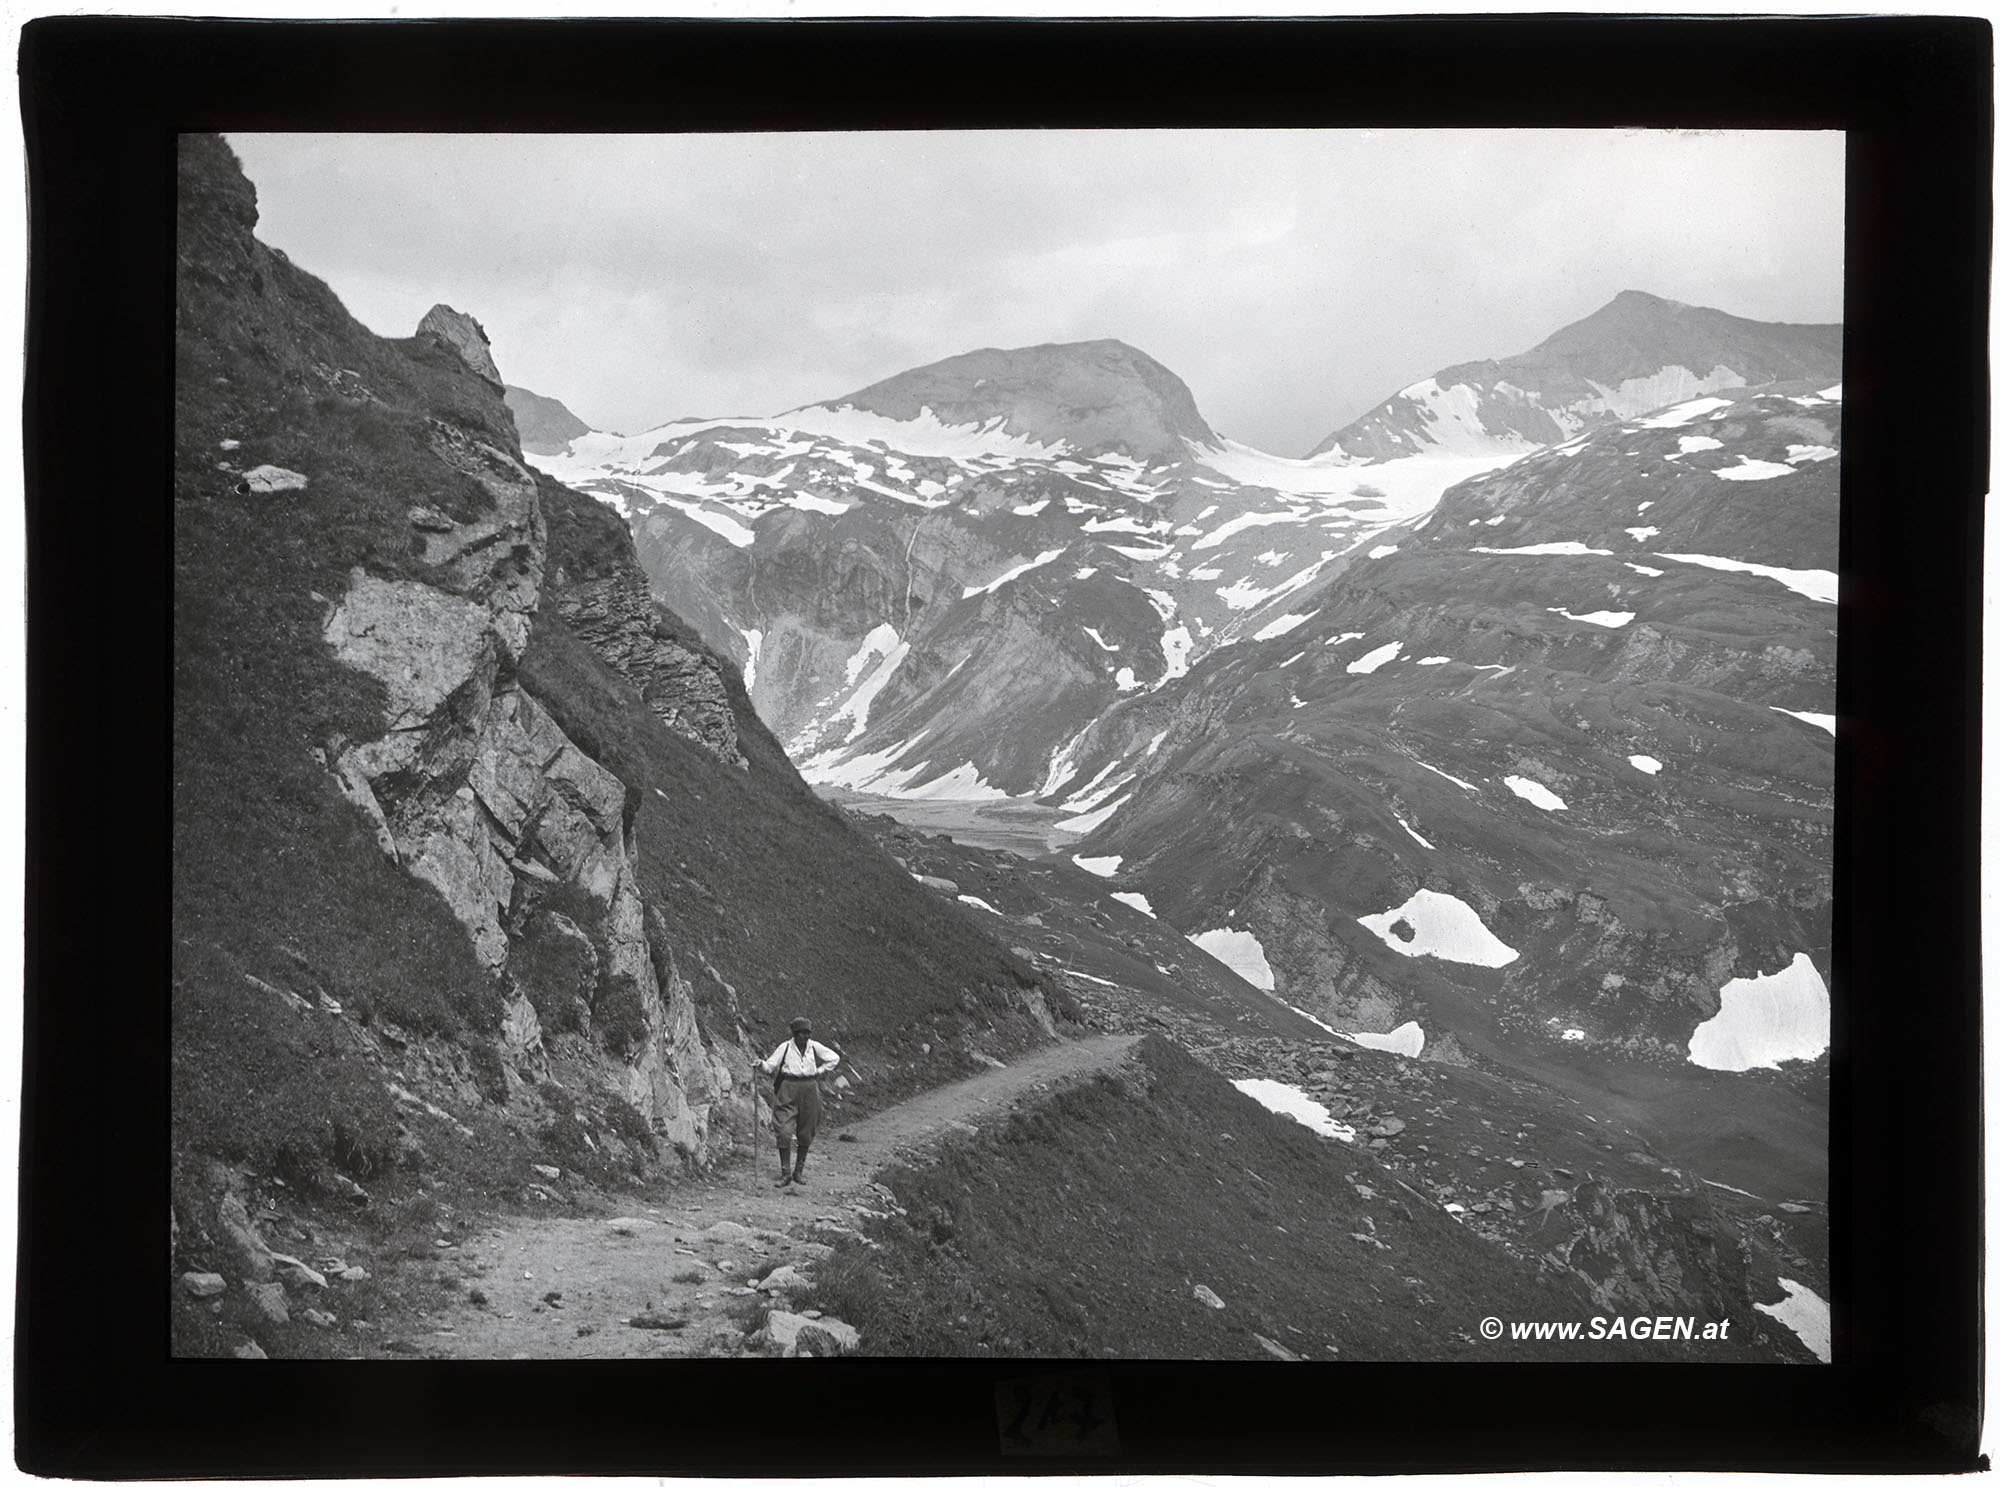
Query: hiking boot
[{"x": 784, "y": 1165}]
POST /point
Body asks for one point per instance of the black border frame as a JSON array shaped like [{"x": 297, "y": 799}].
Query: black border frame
[{"x": 95, "y": 1394}]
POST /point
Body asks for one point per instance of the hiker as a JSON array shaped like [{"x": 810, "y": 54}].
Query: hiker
[{"x": 795, "y": 1105}]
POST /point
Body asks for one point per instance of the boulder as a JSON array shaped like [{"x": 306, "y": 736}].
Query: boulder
[
  {"x": 203, "y": 1283},
  {"x": 630, "y": 1226},
  {"x": 728, "y": 1232},
  {"x": 464, "y": 336},
  {"x": 251, "y": 1350},
  {"x": 269, "y": 1298},
  {"x": 783, "y": 1329},
  {"x": 234, "y": 1220},
  {"x": 1208, "y": 1298},
  {"x": 784, "y": 1278},
  {"x": 269, "y": 479}
]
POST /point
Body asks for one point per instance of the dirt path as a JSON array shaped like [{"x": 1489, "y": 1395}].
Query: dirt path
[{"x": 566, "y": 1287}]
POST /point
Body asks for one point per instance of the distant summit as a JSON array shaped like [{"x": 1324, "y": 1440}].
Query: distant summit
[
  {"x": 1096, "y": 396},
  {"x": 544, "y": 424},
  {"x": 1638, "y": 353}
]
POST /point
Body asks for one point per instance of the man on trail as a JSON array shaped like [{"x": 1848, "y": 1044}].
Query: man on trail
[{"x": 795, "y": 1104}]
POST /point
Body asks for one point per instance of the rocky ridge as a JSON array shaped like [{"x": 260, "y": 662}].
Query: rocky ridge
[{"x": 1638, "y": 353}]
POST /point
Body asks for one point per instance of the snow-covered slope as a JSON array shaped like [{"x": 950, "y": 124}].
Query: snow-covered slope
[
  {"x": 1553, "y": 771},
  {"x": 1638, "y": 353},
  {"x": 937, "y": 582}
]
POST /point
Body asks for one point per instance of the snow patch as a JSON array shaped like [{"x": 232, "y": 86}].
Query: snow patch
[
  {"x": 755, "y": 640},
  {"x": 979, "y": 903},
  {"x": 1015, "y": 572},
  {"x": 1408, "y": 1040},
  {"x": 1452, "y": 777},
  {"x": 1240, "y": 951},
  {"x": 1574, "y": 1035},
  {"x": 1682, "y": 413},
  {"x": 1640, "y": 534},
  {"x": 1813, "y": 583},
  {"x": 1104, "y": 867},
  {"x": 1548, "y": 550},
  {"x": 1748, "y": 469},
  {"x": 1610, "y": 619},
  {"x": 1806, "y": 1314},
  {"x": 1649, "y": 572},
  {"x": 1442, "y": 926},
  {"x": 1413, "y": 833},
  {"x": 1137, "y": 901},
  {"x": 1384, "y": 550},
  {"x": 1088, "y": 822},
  {"x": 1644, "y": 762},
  {"x": 1535, "y": 793},
  {"x": 1806, "y": 454},
  {"x": 1818, "y": 720},
  {"x": 1765, "y": 1021},
  {"x": 1283, "y": 625},
  {"x": 1375, "y": 659},
  {"x": 1285, "y": 1099},
  {"x": 1435, "y": 661}
]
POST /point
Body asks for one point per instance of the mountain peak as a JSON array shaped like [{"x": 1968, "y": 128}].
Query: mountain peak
[
  {"x": 1636, "y": 352},
  {"x": 1096, "y": 396}
]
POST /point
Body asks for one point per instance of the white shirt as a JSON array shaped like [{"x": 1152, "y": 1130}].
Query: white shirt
[{"x": 788, "y": 1059}]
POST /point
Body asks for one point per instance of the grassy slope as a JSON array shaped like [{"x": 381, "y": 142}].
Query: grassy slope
[
  {"x": 1081, "y": 1229},
  {"x": 275, "y": 875}
]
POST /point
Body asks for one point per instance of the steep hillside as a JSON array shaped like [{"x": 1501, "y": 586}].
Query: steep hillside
[
  {"x": 483, "y": 868},
  {"x": 1153, "y": 1213},
  {"x": 1638, "y": 353},
  {"x": 1549, "y": 778}
]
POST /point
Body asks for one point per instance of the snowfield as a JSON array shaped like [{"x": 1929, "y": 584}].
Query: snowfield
[
  {"x": 1136, "y": 901},
  {"x": 1806, "y": 1314},
  {"x": 1286, "y": 1099},
  {"x": 1240, "y": 951},
  {"x": 1645, "y": 762},
  {"x": 1104, "y": 867},
  {"x": 1444, "y": 927},
  {"x": 1765, "y": 1021}
]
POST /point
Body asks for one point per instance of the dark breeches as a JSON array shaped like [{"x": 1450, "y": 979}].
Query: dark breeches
[{"x": 796, "y": 1110}]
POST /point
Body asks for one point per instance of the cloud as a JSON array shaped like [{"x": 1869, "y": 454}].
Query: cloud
[{"x": 1292, "y": 278}]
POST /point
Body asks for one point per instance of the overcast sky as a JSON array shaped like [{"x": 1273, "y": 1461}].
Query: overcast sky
[{"x": 1292, "y": 279}]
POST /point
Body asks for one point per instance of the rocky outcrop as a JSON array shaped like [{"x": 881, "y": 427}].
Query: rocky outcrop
[
  {"x": 464, "y": 335},
  {"x": 614, "y": 614}
]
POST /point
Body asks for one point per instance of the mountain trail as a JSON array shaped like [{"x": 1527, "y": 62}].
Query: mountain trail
[{"x": 569, "y": 1287}]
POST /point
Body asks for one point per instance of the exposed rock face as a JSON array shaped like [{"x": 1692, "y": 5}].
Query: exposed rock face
[
  {"x": 683, "y": 687},
  {"x": 464, "y": 335},
  {"x": 477, "y": 791}
]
